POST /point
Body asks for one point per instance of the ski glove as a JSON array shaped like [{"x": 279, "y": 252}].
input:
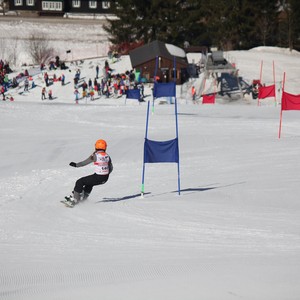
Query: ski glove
[{"x": 72, "y": 164}]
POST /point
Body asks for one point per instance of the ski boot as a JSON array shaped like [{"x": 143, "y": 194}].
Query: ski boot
[
  {"x": 72, "y": 199},
  {"x": 85, "y": 196}
]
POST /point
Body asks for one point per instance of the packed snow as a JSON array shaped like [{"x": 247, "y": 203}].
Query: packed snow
[{"x": 233, "y": 233}]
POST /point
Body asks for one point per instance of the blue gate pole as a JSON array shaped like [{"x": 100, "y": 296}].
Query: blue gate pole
[
  {"x": 146, "y": 135},
  {"x": 178, "y": 167},
  {"x": 176, "y": 119},
  {"x": 155, "y": 72}
]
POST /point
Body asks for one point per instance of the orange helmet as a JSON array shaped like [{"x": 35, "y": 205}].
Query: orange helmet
[{"x": 100, "y": 145}]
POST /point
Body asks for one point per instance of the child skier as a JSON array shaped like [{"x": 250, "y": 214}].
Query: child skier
[
  {"x": 76, "y": 93},
  {"x": 50, "y": 95},
  {"x": 43, "y": 93},
  {"x": 103, "y": 167}
]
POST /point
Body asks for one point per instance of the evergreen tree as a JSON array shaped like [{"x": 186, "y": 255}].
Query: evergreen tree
[
  {"x": 172, "y": 21},
  {"x": 122, "y": 29},
  {"x": 220, "y": 20},
  {"x": 293, "y": 18},
  {"x": 240, "y": 24},
  {"x": 258, "y": 23},
  {"x": 226, "y": 24}
]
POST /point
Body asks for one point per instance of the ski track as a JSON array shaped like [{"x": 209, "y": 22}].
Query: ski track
[{"x": 39, "y": 282}]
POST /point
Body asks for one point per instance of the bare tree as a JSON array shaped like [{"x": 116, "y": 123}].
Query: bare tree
[
  {"x": 3, "y": 48},
  {"x": 39, "y": 49},
  {"x": 13, "y": 54},
  {"x": 3, "y": 6}
]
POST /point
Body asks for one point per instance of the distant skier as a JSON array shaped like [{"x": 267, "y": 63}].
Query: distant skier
[{"x": 103, "y": 167}]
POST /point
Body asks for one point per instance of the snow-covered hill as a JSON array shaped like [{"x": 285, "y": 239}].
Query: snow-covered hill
[{"x": 233, "y": 233}]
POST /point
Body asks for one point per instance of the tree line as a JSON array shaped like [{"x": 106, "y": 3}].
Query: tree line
[{"x": 226, "y": 24}]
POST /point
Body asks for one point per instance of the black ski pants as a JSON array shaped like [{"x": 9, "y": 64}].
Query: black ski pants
[{"x": 86, "y": 183}]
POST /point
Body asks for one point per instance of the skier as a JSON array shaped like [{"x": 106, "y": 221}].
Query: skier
[{"x": 103, "y": 167}]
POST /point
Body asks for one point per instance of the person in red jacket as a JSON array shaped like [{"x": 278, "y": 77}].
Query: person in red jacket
[
  {"x": 103, "y": 167},
  {"x": 194, "y": 94},
  {"x": 2, "y": 90}
]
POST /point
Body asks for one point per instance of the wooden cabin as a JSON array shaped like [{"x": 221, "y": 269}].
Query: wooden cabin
[
  {"x": 59, "y": 7},
  {"x": 157, "y": 59}
]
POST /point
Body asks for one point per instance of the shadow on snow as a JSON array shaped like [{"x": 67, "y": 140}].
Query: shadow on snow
[{"x": 182, "y": 191}]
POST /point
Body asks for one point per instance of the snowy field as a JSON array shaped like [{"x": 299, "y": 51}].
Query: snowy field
[
  {"x": 85, "y": 38},
  {"x": 233, "y": 233}
]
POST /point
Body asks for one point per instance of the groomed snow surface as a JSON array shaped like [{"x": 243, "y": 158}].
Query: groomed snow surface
[{"x": 233, "y": 233}]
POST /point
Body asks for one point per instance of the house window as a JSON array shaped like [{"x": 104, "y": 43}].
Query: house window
[
  {"x": 18, "y": 2},
  {"x": 30, "y": 2},
  {"x": 76, "y": 3},
  {"x": 106, "y": 4},
  {"x": 51, "y": 5},
  {"x": 93, "y": 4}
]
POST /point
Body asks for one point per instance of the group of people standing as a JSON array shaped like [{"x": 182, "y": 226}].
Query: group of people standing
[
  {"x": 4, "y": 81},
  {"x": 105, "y": 83},
  {"x": 110, "y": 84}
]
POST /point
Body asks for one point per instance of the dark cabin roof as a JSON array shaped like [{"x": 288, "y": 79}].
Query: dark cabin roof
[{"x": 149, "y": 52}]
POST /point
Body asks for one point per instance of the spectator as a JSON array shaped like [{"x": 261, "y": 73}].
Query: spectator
[
  {"x": 84, "y": 86},
  {"x": 3, "y": 92},
  {"x": 63, "y": 66},
  {"x": 76, "y": 93},
  {"x": 77, "y": 75},
  {"x": 194, "y": 94},
  {"x": 97, "y": 71},
  {"x": 62, "y": 79},
  {"x": 95, "y": 84},
  {"x": 14, "y": 82},
  {"x": 99, "y": 88},
  {"x": 57, "y": 61},
  {"x": 84, "y": 94},
  {"x": 75, "y": 82},
  {"x": 50, "y": 95},
  {"x": 43, "y": 93},
  {"x": 6, "y": 81},
  {"x": 46, "y": 78},
  {"x": 52, "y": 66},
  {"x": 26, "y": 85},
  {"x": 92, "y": 93},
  {"x": 141, "y": 87}
]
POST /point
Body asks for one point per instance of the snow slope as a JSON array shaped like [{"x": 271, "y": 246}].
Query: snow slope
[{"x": 233, "y": 233}]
